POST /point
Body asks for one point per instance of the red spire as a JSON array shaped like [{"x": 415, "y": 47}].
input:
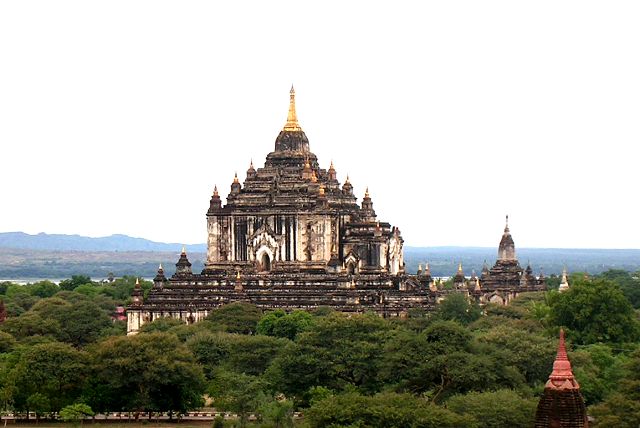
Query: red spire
[{"x": 562, "y": 377}]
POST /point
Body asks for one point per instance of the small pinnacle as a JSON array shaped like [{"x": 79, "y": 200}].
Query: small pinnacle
[{"x": 184, "y": 250}]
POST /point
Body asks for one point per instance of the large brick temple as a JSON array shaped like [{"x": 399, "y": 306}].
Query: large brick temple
[{"x": 293, "y": 237}]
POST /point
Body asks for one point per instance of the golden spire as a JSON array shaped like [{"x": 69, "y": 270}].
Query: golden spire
[
  {"x": 331, "y": 166},
  {"x": 184, "y": 250},
  {"x": 160, "y": 267},
  {"x": 215, "y": 190},
  {"x": 251, "y": 165},
  {"x": 460, "y": 267},
  {"x": 292, "y": 118},
  {"x": 366, "y": 192},
  {"x": 235, "y": 178}
]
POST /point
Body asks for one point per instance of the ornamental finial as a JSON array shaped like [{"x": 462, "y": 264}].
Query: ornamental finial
[{"x": 292, "y": 118}]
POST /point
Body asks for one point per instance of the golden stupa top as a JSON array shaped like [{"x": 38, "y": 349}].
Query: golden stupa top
[{"x": 292, "y": 119}]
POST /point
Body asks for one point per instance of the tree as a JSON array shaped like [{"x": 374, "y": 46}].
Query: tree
[
  {"x": 42, "y": 289},
  {"x": 278, "y": 412},
  {"x": 495, "y": 409},
  {"x": 76, "y": 412},
  {"x": 628, "y": 283},
  {"x": 457, "y": 307},
  {"x": 594, "y": 311},
  {"x": 55, "y": 371},
  {"x": 80, "y": 322},
  {"x": 30, "y": 324},
  {"x": 236, "y": 317},
  {"x": 39, "y": 404},
  {"x": 531, "y": 354},
  {"x": 243, "y": 354},
  {"x": 146, "y": 372},
  {"x": 622, "y": 408},
  {"x": 161, "y": 325},
  {"x": 387, "y": 410},
  {"x": 7, "y": 342},
  {"x": 237, "y": 392},
  {"x": 280, "y": 324},
  {"x": 74, "y": 281}
]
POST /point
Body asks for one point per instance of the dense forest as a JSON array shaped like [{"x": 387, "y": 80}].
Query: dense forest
[{"x": 462, "y": 365}]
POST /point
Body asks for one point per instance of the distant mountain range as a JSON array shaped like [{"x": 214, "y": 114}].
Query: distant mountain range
[
  {"x": 59, "y": 256},
  {"x": 55, "y": 242}
]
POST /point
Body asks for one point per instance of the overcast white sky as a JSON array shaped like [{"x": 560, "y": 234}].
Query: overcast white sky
[{"x": 120, "y": 116}]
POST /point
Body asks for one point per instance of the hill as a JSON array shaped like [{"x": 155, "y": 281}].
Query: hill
[{"x": 57, "y": 242}]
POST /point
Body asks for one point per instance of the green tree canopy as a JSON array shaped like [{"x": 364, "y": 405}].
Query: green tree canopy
[
  {"x": 236, "y": 317},
  {"x": 387, "y": 410},
  {"x": 56, "y": 371},
  {"x": 457, "y": 307},
  {"x": 495, "y": 409},
  {"x": 75, "y": 281},
  {"x": 149, "y": 372},
  {"x": 594, "y": 311},
  {"x": 280, "y": 324}
]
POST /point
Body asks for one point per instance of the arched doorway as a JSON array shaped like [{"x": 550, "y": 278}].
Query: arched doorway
[
  {"x": 351, "y": 268},
  {"x": 265, "y": 262}
]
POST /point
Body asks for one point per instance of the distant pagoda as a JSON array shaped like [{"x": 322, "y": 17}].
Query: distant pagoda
[
  {"x": 506, "y": 276},
  {"x": 561, "y": 404}
]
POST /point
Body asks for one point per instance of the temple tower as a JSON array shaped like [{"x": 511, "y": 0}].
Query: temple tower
[
  {"x": 507, "y": 248},
  {"x": 561, "y": 404},
  {"x": 564, "y": 284}
]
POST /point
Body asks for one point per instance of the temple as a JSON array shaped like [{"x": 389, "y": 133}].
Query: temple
[
  {"x": 506, "y": 279},
  {"x": 291, "y": 236},
  {"x": 561, "y": 404}
]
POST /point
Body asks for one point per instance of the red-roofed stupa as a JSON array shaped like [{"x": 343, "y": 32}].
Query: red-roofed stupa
[{"x": 561, "y": 404}]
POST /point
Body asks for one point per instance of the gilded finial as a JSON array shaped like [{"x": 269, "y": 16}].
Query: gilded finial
[
  {"x": 251, "y": 165},
  {"x": 347, "y": 180},
  {"x": 366, "y": 192},
  {"x": 321, "y": 190},
  {"x": 184, "y": 250},
  {"x": 215, "y": 190},
  {"x": 460, "y": 267},
  {"x": 506, "y": 227},
  {"x": 292, "y": 118},
  {"x": 331, "y": 166},
  {"x": 235, "y": 178},
  {"x": 160, "y": 266}
]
